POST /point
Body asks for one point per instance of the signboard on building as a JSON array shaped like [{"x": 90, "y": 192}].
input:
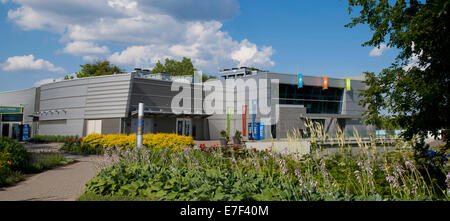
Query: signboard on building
[
  {"x": 26, "y": 132},
  {"x": 11, "y": 110}
]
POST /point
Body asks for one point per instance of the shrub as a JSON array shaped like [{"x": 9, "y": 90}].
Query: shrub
[
  {"x": 44, "y": 161},
  {"x": 17, "y": 154},
  {"x": 163, "y": 140},
  {"x": 4, "y": 167},
  {"x": 123, "y": 141},
  {"x": 51, "y": 138}
]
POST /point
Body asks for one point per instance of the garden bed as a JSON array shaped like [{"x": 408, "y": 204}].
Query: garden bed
[
  {"x": 16, "y": 163},
  {"x": 217, "y": 173}
]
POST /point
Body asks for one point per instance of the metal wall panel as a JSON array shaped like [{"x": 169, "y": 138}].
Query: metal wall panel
[{"x": 101, "y": 97}]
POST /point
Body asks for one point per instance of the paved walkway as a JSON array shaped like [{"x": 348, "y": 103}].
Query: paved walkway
[{"x": 62, "y": 184}]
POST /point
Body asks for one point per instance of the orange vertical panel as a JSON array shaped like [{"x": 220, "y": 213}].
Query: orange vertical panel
[{"x": 325, "y": 82}]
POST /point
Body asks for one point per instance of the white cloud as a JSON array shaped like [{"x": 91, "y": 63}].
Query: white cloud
[
  {"x": 28, "y": 63},
  {"x": 248, "y": 54},
  {"x": 4, "y": 1},
  {"x": 413, "y": 61},
  {"x": 378, "y": 51},
  {"x": 139, "y": 55},
  {"x": 47, "y": 81},
  {"x": 91, "y": 58},
  {"x": 85, "y": 48},
  {"x": 150, "y": 30}
]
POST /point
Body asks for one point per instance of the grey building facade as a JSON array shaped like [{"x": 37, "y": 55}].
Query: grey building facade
[
  {"x": 108, "y": 104},
  {"x": 28, "y": 101}
]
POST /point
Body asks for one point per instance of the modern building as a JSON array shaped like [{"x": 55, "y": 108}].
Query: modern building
[
  {"x": 108, "y": 104},
  {"x": 17, "y": 108}
]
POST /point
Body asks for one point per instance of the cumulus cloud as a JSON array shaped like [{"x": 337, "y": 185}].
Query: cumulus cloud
[
  {"x": 150, "y": 31},
  {"x": 85, "y": 48},
  {"x": 139, "y": 55},
  {"x": 248, "y": 54},
  {"x": 378, "y": 51},
  {"x": 47, "y": 81},
  {"x": 28, "y": 63},
  {"x": 413, "y": 61}
]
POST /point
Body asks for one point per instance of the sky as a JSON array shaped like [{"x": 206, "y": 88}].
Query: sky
[{"x": 48, "y": 39}]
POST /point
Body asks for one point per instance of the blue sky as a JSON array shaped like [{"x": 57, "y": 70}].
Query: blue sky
[{"x": 48, "y": 39}]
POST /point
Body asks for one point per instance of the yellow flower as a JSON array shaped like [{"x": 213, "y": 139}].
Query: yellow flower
[{"x": 160, "y": 140}]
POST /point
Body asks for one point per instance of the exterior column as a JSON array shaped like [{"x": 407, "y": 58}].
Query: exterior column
[{"x": 140, "y": 128}]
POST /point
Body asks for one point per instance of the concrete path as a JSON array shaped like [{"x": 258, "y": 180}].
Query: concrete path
[{"x": 62, "y": 184}]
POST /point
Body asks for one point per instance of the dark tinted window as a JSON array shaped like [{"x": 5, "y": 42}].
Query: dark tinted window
[
  {"x": 315, "y": 99},
  {"x": 12, "y": 117}
]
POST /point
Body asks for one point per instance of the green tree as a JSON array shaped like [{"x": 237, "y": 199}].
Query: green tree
[
  {"x": 206, "y": 77},
  {"x": 416, "y": 98},
  {"x": 174, "y": 67},
  {"x": 98, "y": 68},
  {"x": 159, "y": 68}
]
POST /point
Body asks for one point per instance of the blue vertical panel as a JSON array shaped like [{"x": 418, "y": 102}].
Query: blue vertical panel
[
  {"x": 26, "y": 132},
  {"x": 256, "y": 135},
  {"x": 250, "y": 131},
  {"x": 300, "y": 80},
  {"x": 261, "y": 131}
]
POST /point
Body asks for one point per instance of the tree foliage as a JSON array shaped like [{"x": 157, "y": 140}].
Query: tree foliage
[
  {"x": 206, "y": 77},
  {"x": 174, "y": 67},
  {"x": 415, "y": 96},
  {"x": 98, "y": 68}
]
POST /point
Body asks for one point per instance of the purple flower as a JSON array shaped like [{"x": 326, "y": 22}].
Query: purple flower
[
  {"x": 410, "y": 165},
  {"x": 282, "y": 166},
  {"x": 391, "y": 180},
  {"x": 369, "y": 171},
  {"x": 358, "y": 177}
]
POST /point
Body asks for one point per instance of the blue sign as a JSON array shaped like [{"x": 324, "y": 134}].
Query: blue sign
[
  {"x": 300, "y": 80},
  {"x": 256, "y": 131},
  {"x": 250, "y": 131},
  {"x": 261, "y": 131},
  {"x": 140, "y": 122},
  {"x": 26, "y": 132}
]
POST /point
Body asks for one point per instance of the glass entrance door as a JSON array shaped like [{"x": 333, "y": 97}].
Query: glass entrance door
[
  {"x": 180, "y": 127},
  {"x": 5, "y": 130},
  {"x": 184, "y": 127}
]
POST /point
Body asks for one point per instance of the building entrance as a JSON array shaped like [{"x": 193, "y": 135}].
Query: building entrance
[
  {"x": 5, "y": 129},
  {"x": 184, "y": 126}
]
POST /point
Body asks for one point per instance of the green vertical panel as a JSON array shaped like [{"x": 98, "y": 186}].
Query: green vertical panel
[
  {"x": 229, "y": 116},
  {"x": 348, "y": 84}
]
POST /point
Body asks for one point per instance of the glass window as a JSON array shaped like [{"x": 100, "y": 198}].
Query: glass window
[
  {"x": 315, "y": 99},
  {"x": 180, "y": 127},
  {"x": 12, "y": 117},
  {"x": 187, "y": 128}
]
